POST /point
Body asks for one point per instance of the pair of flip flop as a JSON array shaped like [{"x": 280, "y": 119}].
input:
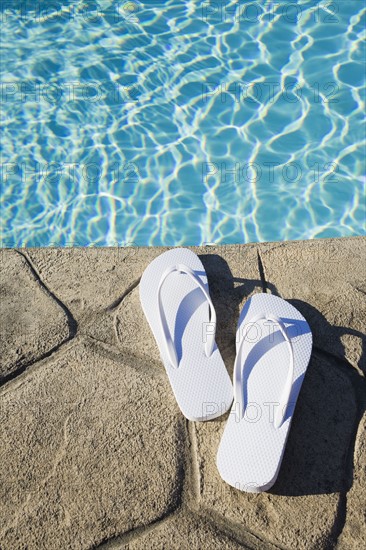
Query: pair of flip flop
[{"x": 273, "y": 348}]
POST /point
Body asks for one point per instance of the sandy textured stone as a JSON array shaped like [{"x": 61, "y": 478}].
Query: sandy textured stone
[
  {"x": 32, "y": 322},
  {"x": 91, "y": 283},
  {"x": 326, "y": 281},
  {"x": 183, "y": 532},
  {"x": 89, "y": 280},
  {"x": 354, "y": 532},
  {"x": 301, "y": 509},
  {"x": 93, "y": 447},
  {"x": 88, "y": 452}
]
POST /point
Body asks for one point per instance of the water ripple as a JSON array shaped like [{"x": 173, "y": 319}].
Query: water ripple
[{"x": 175, "y": 123}]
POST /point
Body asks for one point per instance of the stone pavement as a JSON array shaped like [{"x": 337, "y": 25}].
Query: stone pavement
[{"x": 94, "y": 451}]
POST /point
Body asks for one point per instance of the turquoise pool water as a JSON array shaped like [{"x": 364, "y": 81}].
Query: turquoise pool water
[{"x": 182, "y": 122}]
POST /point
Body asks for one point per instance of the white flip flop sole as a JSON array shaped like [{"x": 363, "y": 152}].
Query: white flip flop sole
[
  {"x": 274, "y": 344},
  {"x": 175, "y": 298}
]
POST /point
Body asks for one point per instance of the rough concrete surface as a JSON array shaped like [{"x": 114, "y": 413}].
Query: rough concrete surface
[
  {"x": 94, "y": 450},
  {"x": 32, "y": 321},
  {"x": 354, "y": 532},
  {"x": 183, "y": 531}
]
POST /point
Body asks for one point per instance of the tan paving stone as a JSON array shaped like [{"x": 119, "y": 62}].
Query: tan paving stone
[
  {"x": 354, "y": 532},
  {"x": 91, "y": 448},
  {"x": 183, "y": 532},
  {"x": 32, "y": 323},
  {"x": 89, "y": 280}
]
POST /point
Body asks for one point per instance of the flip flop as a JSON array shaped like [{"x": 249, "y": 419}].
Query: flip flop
[
  {"x": 175, "y": 298},
  {"x": 273, "y": 348}
]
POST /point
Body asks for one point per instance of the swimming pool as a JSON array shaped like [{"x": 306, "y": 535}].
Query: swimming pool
[{"x": 182, "y": 122}]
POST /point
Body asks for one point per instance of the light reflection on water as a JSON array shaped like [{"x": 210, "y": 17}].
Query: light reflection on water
[{"x": 172, "y": 123}]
